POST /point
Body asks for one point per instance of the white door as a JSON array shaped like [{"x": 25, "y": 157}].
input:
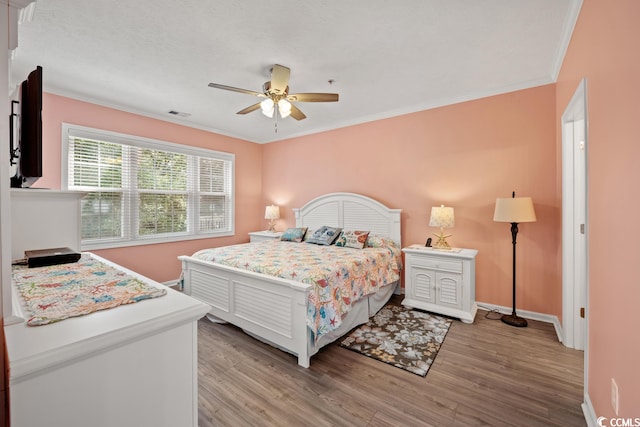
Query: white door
[
  {"x": 424, "y": 285},
  {"x": 580, "y": 232},
  {"x": 574, "y": 221},
  {"x": 450, "y": 290}
]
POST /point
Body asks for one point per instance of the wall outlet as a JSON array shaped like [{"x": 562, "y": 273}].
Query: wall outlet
[{"x": 615, "y": 397}]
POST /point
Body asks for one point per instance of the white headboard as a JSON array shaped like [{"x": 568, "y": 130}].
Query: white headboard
[{"x": 350, "y": 212}]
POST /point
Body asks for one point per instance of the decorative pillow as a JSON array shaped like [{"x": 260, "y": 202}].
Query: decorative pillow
[
  {"x": 353, "y": 239},
  {"x": 380, "y": 242},
  {"x": 308, "y": 235},
  {"x": 294, "y": 234},
  {"x": 324, "y": 235}
]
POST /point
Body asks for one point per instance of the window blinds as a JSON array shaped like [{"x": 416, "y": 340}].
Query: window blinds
[{"x": 138, "y": 192}]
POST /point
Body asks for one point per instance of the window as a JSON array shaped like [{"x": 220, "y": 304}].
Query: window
[{"x": 146, "y": 191}]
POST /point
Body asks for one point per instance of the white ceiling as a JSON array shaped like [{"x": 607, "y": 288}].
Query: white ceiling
[{"x": 386, "y": 57}]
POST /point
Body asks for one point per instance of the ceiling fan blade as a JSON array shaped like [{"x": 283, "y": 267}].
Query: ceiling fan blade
[
  {"x": 313, "y": 97},
  {"x": 279, "y": 79},
  {"x": 296, "y": 113},
  {"x": 235, "y": 89},
  {"x": 249, "y": 109}
]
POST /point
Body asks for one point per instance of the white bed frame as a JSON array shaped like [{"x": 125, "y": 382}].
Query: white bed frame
[{"x": 274, "y": 309}]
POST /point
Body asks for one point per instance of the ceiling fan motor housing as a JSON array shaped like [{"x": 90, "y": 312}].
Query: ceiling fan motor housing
[{"x": 266, "y": 88}]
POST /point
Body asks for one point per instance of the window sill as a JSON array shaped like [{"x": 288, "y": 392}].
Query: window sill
[{"x": 152, "y": 241}]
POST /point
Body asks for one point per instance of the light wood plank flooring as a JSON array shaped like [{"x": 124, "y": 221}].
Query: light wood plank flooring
[{"x": 486, "y": 373}]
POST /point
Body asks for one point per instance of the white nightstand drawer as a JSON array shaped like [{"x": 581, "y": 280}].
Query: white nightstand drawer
[{"x": 436, "y": 263}]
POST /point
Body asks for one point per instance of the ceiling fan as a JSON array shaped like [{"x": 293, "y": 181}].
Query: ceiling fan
[{"x": 276, "y": 94}]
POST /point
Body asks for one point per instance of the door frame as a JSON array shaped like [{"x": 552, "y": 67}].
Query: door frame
[
  {"x": 575, "y": 331},
  {"x": 572, "y": 257}
]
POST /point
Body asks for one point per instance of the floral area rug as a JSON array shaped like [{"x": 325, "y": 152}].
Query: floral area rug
[
  {"x": 58, "y": 292},
  {"x": 405, "y": 338}
]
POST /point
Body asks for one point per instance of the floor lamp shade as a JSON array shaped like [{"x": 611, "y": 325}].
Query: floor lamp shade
[{"x": 514, "y": 210}]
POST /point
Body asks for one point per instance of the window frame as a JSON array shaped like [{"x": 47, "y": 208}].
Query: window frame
[{"x": 131, "y": 238}]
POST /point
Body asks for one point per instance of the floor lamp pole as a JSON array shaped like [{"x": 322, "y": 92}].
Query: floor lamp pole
[{"x": 513, "y": 319}]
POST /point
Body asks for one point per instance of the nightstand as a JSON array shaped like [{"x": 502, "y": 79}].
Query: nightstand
[
  {"x": 441, "y": 281},
  {"x": 258, "y": 236}
]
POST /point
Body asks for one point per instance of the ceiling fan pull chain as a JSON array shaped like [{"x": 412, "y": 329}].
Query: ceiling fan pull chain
[{"x": 276, "y": 123}]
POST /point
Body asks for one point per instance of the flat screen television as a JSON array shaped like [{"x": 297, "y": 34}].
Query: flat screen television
[{"x": 29, "y": 121}]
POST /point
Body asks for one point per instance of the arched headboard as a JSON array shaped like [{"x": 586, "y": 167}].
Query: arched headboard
[{"x": 350, "y": 211}]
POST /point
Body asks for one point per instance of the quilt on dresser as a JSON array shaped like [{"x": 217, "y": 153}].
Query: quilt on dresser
[
  {"x": 58, "y": 292},
  {"x": 340, "y": 276}
]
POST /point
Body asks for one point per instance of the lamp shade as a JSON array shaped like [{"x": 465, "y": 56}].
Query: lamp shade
[
  {"x": 442, "y": 216},
  {"x": 272, "y": 212},
  {"x": 284, "y": 108},
  {"x": 267, "y": 107},
  {"x": 514, "y": 209}
]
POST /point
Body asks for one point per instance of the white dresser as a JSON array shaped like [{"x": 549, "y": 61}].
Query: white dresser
[
  {"x": 441, "y": 281},
  {"x": 133, "y": 365}
]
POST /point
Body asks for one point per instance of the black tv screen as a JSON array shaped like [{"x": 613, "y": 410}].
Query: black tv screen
[{"x": 30, "y": 131}]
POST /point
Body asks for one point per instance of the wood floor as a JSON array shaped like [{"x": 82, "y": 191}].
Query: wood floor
[{"x": 486, "y": 373}]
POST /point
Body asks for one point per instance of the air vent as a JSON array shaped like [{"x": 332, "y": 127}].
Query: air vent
[{"x": 179, "y": 114}]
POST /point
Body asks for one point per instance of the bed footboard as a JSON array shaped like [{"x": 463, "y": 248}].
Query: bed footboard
[{"x": 271, "y": 308}]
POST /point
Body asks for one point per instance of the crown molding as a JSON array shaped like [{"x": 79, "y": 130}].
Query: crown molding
[
  {"x": 17, "y": 4},
  {"x": 19, "y": 11},
  {"x": 567, "y": 32},
  {"x": 20, "y": 3},
  {"x": 26, "y": 12}
]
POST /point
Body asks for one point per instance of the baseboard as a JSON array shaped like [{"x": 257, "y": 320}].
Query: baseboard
[
  {"x": 589, "y": 412},
  {"x": 532, "y": 315}
]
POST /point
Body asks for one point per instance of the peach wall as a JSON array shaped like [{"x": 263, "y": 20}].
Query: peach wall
[
  {"x": 604, "y": 49},
  {"x": 464, "y": 155},
  {"x": 159, "y": 261}
]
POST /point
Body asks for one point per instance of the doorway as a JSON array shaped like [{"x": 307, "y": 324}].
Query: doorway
[
  {"x": 575, "y": 230},
  {"x": 574, "y": 220}
]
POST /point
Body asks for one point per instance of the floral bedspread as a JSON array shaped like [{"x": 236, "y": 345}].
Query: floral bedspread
[
  {"x": 340, "y": 275},
  {"x": 59, "y": 292}
]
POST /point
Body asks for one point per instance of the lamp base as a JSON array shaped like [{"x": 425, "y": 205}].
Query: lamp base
[
  {"x": 514, "y": 320},
  {"x": 442, "y": 243}
]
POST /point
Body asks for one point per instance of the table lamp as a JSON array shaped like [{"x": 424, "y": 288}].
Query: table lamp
[
  {"x": 442, "y": 216},
  {"x": 272, "y": 213}
]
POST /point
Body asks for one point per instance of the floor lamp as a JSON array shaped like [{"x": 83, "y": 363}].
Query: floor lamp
[{"x": 514, "y": 210}]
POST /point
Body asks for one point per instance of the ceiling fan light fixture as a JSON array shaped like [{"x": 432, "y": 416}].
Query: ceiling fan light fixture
[
  {"x": 267, "y": 107},
  {"x": 284, "y": 108}
]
